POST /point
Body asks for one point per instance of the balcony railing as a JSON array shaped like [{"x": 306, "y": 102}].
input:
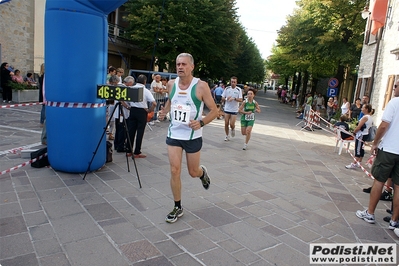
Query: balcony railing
[{"x": 116, "y": 30}]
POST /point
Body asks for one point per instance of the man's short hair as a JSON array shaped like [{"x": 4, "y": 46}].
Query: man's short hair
[
  {"x": 186, "y": 55},
  {"x": 113, "y": 79},
  {"x": 128, "y": 79},
  {"x": 142, "y": 79}
]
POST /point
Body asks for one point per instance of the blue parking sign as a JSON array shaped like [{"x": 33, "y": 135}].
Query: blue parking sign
[{"x": 331, "y": 92}]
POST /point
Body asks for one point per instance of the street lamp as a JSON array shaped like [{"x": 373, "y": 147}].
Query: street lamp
[{"x": 365, "y": 13}]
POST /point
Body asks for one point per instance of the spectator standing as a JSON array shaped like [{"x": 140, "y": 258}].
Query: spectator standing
[
  {"x": 119, "y": 74},
  {"x": 113, "y": 80},
  {"x": 293, "y": 99},
  {"x": 6, "y": 77},
  {"x": 138, "y": 117},
  {"x": 355, "y": 109},
  {"x": 365, "y": 100},
  {"x": 330, "y": 108},
  {"x": 319, "y": 102},
  {"x": 120, "y": 119},
  {"x": 345, "y": 106},
  {"x": 111, "y": 71},
  {"x": 386, "y": 148},
  {"x": 218, "y": 93},
  {"x": 232, "y": 96},
  {"x": 187, "y": 96},
  {"x": 361, "y": 130},
  {"x": 157, "y": 91},
  {"x": 41, "y": 95},
  {"x": 283, "y": 95},
  {"x": 335, "y": 106}
]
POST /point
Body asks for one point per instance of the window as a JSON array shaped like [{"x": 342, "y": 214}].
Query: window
[
  {"x": 363, "y": 87},
  {"x": 389, "y": 90},
  {"x": 368, "y": 37}
]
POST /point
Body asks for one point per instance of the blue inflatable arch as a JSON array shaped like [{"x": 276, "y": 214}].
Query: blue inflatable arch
[{"x": 76, "y": 58}]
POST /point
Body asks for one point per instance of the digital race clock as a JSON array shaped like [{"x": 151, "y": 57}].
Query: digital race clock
[{"x": 120, "y": 93}]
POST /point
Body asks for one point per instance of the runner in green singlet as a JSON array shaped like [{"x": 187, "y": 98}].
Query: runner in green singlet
[{"x": 247, "y": 110}]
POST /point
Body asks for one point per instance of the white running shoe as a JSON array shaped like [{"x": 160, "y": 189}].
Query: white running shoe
[
  {"x": 226, "y": 138},
  {"x": 352, "y": 166},
  {"x": 233, "y": 132},
  {"x": 245, "y": 147}
]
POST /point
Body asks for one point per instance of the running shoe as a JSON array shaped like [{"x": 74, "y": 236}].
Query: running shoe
[
  {"x": 173, "y": 215},
  {"x": 393, "y": 225},
  {"x": 244, "y": 147},
  {"x": 233, "y": 132},
  {"x": 352, "y": 166},
  {"x": 365, "y": 215},
  {"x": 206, "y": 181},
  {"x": 226, "y": 138}
]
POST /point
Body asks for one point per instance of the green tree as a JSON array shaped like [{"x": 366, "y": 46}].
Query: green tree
[
  {"x": 209, "y": 30},
  {"x": 323, "y": 37}
]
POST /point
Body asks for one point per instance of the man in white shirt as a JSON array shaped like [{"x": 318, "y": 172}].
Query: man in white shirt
[
  {"x": 120, "y": 118},
  {"x": 386, "y": 164},
  {"x": 231, "y": 96},
  {"x": 138, "y": 117}
]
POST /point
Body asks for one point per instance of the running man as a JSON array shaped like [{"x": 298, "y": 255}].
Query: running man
[
  {"x": 187, "y": 96},
  {"x": 231, "y": 97},
  {"x": 247, "y": 111}
]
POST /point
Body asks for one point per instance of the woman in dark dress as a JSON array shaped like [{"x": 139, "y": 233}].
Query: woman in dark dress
[{"x": 5, "y": 79}]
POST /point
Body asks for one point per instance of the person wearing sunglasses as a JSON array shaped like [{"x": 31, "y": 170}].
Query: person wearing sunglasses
[{"x": 386, "y": 148}]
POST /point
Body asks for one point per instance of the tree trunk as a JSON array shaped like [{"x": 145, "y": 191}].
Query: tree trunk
[
  {"x": 294, "y": 83},
  {"x": 298, "y": 86}
]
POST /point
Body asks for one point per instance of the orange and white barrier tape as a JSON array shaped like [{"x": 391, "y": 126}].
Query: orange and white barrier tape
[
  {"x": 15, "y": 150},
  {"x": 23, "y": 164},
  {"x": 364, "y": 169},
  {"x": 75, "y": 105},
  {"x": 342, "y": 130},
  {"x": 309, "y": 120},
  {"x": 19, "y": 105}
]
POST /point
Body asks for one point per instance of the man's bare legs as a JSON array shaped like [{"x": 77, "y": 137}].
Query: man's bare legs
[
  {"x": 375, "y": 195},
  {"x": 175, "y": 159},
  {"x": 226, "y": 124},
  {"x": 395, "y": 200},
  {"x": 175, "y": 155},
  {"x": 229, "y": 120}
]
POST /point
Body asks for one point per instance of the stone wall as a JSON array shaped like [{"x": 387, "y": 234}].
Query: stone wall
[
  {"x": 17, "y": 34},
  {"x": 386, "y": 63}
]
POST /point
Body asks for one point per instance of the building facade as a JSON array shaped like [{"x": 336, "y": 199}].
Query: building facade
[
  {"x": 379, "y": 63},
  {"x": 22, "y": 38}
]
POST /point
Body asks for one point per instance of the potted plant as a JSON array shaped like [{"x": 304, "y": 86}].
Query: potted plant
[{"x": 23, "y": 92}]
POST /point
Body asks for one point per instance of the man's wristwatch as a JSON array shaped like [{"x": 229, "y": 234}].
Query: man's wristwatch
[{"x": 202, "y": 123}]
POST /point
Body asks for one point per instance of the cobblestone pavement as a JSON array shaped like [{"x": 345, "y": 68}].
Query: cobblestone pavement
[{"x": 264, "y": 206}]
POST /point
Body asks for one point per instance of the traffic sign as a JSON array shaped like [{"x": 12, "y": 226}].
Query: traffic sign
[
  {"x": 331, "y": 92},
  {"x": 332, "y": 82}
]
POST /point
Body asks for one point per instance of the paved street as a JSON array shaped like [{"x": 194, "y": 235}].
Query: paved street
[{"x": 264, "y": 206}]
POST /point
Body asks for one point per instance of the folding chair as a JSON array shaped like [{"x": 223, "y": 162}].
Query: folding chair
[{"x": 342, "y": 141}]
